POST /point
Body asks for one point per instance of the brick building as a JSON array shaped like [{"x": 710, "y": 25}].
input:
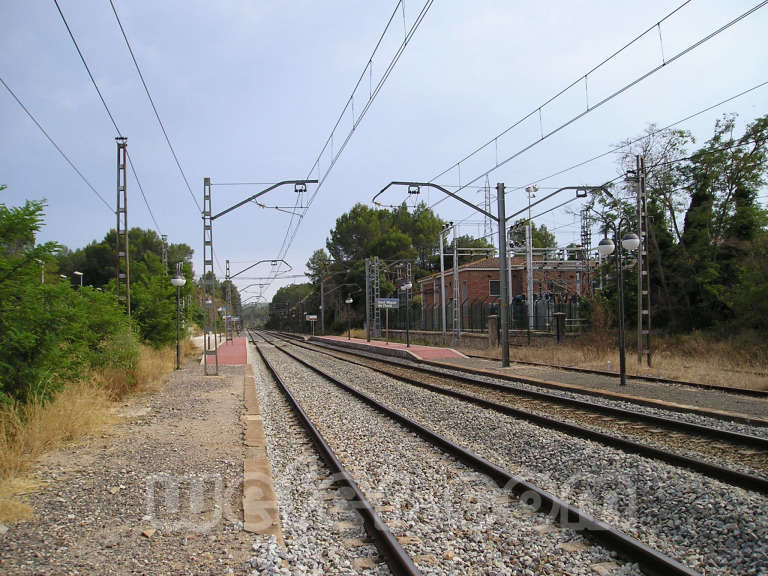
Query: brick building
[{"x": 479, "y": 280}]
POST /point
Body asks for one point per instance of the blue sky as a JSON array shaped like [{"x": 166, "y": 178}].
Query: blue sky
[{"x": 249, "y": 91}]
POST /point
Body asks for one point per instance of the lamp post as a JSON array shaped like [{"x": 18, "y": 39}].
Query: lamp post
[
  {"x": 76, "y": 273},
  {"x": 629, "y": 242},
  {"x": 178, "y": 280},
  {"x": 348, "y": 301},
  {"x": 405, "y": 288}
]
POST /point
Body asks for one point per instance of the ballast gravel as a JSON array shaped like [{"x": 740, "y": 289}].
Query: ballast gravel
[
  {"x": 739, "y": 427},
  {"x": 313, "y": 544},
  {"x": 450, "y": 519},
  {"x": 712, "y": 527}
]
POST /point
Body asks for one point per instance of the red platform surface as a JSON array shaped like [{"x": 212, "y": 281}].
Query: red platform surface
[
  {"x": 231, "y": 353},
  {"x": 419, "y": 351}
]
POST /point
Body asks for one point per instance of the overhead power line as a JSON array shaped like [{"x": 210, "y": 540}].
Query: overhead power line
[
  {"x": 615, "y": 149},
  {"x": 349, "y": 107},
  {"x": 58, "y": 148},
  {"x": 157, "y": 115},
  {"x": 109, "y": 112},
  {"x": 590, "y": 108}
]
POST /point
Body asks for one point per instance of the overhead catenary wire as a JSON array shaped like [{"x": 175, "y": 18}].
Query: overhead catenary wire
[
  {"x": 632, "y": 141},
  {"x": 55, "y": 145},
  {"x": 292, "y": 229},
  {"x": 592, "y": 108},
  {"x": 537, "y": 110},
  {"x": 154, "y": 108},
  {"x": 109, "y": 112}
]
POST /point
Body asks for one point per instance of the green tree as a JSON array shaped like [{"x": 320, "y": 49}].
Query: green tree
[
  {"x": 50, "y": 333},
  {"x": 541, "y": 236}
]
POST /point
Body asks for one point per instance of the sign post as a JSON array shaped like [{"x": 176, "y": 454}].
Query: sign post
[
  {"x": 387, "y": 303},
  {"x": 312, "y": 318}
]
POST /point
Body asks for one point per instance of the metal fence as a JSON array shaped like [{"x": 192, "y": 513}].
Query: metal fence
[{"x": 474, "y": 315}]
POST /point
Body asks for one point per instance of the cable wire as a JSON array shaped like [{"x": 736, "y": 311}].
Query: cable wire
[
  {"x": 109, "y": 112},
  {"x": 144, "y": 196},
  {"x": 615, "y": 149},
  {"x": 58, "y": 148},
  {"x": 291, "y": 231},
  {"x": 157, "y": 115},
  {"x": 589, "y": 109}
]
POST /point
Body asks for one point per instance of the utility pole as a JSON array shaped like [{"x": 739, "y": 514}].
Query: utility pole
[
  {"x": 442, "y": 278},
  {"x": 503, "y": 288},
  {"x": 164, "y": 240},
  {"x": 209, "y": 282},
  {"x": 643, "y": 269},
  {"x": 228, "y": 317},
  {"x": 123, "y": 284},
  {"x": 368, "y": 299},
  {"x": 456, "y": 292},
  {"x": 531, "y": 190},
  {"x": 322, "y": 308}
]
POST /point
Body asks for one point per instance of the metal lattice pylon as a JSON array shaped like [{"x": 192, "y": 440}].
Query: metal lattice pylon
[
  {"x": 228, "y": 316},
  {"x": 584, "y": 253},
  {"x": 164, "y": 241},
  {"x": 123, "y": 259},
  {"x": 376, "y": 287},
  {"x": 643, "y": 271},
  {"x": 487, "y": 220},
  {"x": 209, "y": 284},
  {"x": 456, "y": 294}
]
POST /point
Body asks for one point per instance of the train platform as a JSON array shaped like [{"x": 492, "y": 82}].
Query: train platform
[
  {"x": 399, "y": 349},
  {"x": 232, "y": 353}
]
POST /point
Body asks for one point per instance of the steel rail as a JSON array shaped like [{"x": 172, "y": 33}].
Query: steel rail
[
  {"x": 721, "y": 473},
  {"x": 597, "y": 393},
  {"x": 641, "y": 377},
  {"x": 748, "y": 440},
  {"x": 561, "y": 512},
  {"x": 397, "y": 559}
]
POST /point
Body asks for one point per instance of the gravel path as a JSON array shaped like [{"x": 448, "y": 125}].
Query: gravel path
[
  {"x": 761, "y": 431},
  {"x": 451, "y": 519},
  {"x": 709, "y": 526},
  {"x": 103, "y": 507},
  {"x": 315, "y": 521}
]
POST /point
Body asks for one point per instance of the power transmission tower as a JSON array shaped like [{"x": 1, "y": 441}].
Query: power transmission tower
[
  {"x": 228, "y": 317},
  {"x": 209, "y": 282},
  {"x": 123, "y": 260},
  {"x": 643, "y": 270},
  {"x": 164, "y": 240}
]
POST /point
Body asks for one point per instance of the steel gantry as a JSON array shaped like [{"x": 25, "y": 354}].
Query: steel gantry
[{"x": 209, "y": 275}]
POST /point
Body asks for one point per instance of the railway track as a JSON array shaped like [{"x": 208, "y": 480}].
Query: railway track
[
  {"x": 668, "y": 440},
  {"x": 329, "y": 396},
  {"x": 645, "y": 378},
  {"x": 561, "y": 388},
  {"x": 398, "y": 561}
]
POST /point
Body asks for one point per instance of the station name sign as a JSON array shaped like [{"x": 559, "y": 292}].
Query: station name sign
[{"x": 387, "y": 303}]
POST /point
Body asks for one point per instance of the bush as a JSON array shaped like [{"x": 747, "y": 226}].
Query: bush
[{"x": 51, "y": 333}]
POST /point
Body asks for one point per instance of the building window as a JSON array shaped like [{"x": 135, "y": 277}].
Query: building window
[{"x": 493, "y": 288}]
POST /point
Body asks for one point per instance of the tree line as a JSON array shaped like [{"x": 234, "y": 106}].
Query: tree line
[{"x": 707, "y": 241}]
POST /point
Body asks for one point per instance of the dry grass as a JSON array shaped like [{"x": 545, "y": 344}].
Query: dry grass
[
  {"x": 29, "y": 430},
  {"x": 693, "y": 358},
  {"x": 81, "y": 409}
]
